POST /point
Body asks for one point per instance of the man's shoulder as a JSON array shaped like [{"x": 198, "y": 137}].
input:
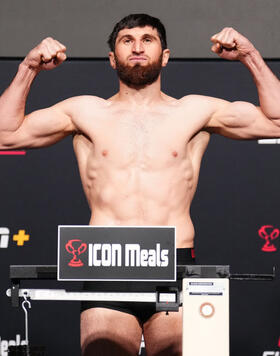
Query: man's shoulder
[
  {"x": 201, "y": 103},
  {"x": 82, "y": 106},
  {"x": 196, "y": 98},
  {"x": 85, "y": 100}
]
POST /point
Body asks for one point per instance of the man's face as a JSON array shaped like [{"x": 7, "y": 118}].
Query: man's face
[{"x": 138, "y": 56}]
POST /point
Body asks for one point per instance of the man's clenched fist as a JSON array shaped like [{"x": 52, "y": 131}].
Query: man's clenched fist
[
  {"x": 230, "y": 44},
  {"x": 47, "y": 55}
]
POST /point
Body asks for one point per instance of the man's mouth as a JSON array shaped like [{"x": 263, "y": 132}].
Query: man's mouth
[{"x": 137, "y": 59}]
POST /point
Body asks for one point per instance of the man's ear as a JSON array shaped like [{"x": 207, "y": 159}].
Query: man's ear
[
  {"x": 165, "y": 57},
  {"x": 112, "y": 59}
]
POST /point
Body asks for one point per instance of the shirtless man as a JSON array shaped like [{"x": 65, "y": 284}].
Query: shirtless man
[{"x": 139, "y": 152}]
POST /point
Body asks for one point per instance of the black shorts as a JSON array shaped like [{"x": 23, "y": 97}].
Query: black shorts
[{"x": 142, "y": 311}]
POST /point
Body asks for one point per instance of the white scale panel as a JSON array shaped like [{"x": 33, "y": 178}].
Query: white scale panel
[{"x": 205, "y": 317}]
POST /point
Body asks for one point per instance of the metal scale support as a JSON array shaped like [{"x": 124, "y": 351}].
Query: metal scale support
[{"x": 204, "y": 296}]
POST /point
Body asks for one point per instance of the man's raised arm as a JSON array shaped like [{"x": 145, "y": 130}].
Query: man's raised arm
[
  {"x": 42, "y": 127},
  {"x": 241, "y": 119}
]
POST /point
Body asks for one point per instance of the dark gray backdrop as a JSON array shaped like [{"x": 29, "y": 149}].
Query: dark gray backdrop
[
  {"x": 237, "y": 194},
  {"x": 83, "y": 26}
]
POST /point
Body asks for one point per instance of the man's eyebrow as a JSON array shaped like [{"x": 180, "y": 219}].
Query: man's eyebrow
[
  {"x": 124, "y": 36},
  {"x": 150, "y": 35},
  {"x": 143, "y": 36}
]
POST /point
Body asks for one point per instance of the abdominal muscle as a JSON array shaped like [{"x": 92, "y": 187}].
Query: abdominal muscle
[{"x": 137, "y": 197}]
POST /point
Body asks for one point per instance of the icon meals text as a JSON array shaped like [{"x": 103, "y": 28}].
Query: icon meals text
[{"x": 111, "y": 255}]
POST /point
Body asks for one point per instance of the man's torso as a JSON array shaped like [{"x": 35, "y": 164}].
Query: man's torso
[{"x": 140, "y": 165}]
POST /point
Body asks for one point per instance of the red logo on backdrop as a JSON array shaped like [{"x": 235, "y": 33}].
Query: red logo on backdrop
[
  {"x": 76, "y": 248},
  {"x": 269, "y": 233}
]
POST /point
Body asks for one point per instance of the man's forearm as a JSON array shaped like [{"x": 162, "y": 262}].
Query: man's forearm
[
  {"x": 230, "y": 44},
  {"x": 267, "y": 84},
  {"x": 12, "y": 101}
]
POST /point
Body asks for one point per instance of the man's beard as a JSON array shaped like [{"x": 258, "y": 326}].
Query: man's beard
[{"x": 138, "y": 76}]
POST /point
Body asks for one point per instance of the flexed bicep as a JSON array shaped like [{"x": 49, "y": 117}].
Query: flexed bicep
[
  {"x": 241, "y": 120},
  {"x": 42, "y": 127},
  {"x": 39, "y": 129}
]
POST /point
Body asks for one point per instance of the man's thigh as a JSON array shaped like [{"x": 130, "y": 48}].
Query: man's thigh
[
  {"x": 109, "y": 332},
  {"x": 163, "y": 334}
]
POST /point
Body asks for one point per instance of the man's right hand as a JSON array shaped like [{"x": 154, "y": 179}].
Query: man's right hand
[{"x": 47, "y": 55}]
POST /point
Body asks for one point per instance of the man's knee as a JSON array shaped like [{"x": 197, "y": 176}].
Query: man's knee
[
  {"x": 109, "y": 332},
  {"x": 105, "y": 346},
  {"x": 163, "y": 334}
]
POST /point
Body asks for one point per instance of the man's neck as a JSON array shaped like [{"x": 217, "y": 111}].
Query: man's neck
[{"x": 144, "y": 96}]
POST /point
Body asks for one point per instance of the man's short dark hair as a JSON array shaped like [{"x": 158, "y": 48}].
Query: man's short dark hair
[{"x": 138, "y": 20}]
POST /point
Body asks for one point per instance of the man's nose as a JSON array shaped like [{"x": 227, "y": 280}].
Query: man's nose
[{"x": 138, "y": 47}]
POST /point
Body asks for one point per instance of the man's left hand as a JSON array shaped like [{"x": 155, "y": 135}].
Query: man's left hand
[{"x": 230, "y": 44}]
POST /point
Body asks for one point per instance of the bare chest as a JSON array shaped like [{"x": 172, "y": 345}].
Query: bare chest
[{"x": 140, "y": 139}]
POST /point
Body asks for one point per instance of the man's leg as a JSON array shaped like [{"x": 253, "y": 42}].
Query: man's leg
[
  {"x": 163, "y": 334},
  {"x": 107, "y": 332}
]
